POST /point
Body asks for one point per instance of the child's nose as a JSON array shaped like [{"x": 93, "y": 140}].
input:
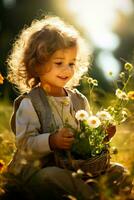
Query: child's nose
[
  {"x": 66, "y": 70},
  {"x": 66, "y": 67}
]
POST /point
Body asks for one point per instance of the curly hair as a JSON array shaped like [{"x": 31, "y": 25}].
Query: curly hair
[{"x": 34, "y": 46}]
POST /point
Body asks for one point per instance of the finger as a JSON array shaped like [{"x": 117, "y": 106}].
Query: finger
[
  {"x": 68, "y": 134},
  {"x": 68, "y": 140},
  {"x": 66, "y": 131}
]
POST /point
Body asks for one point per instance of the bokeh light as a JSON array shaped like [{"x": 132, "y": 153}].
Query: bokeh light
[
  {"x": 9, "y": 3},
  {"x": 109, "y": 64},
  {"x": 98, "y": 19}
]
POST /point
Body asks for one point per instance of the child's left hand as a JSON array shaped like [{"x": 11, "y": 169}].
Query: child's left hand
[{"x": 111, "y": 131}]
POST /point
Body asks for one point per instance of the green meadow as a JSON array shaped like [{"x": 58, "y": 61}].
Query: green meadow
[{"x": 122, "y": 145}]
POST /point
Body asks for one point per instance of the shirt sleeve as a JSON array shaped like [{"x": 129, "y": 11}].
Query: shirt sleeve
[{"x": 27, "y": 130}]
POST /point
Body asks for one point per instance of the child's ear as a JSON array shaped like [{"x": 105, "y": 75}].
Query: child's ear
[{"x": 37, "y": 71}]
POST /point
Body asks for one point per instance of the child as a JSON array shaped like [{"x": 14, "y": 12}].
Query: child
[{"x": 47, "y": 60}]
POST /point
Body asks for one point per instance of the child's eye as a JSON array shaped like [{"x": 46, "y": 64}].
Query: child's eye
[
  {"x": 58, "y": 63},
  {"x": 71, "y": 64}
]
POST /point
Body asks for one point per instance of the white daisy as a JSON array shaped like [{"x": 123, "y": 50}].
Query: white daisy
[
  {"x": 128, "y": 66},
  {"x": 81, "y": 115},
  {"x": 94, "y": 121},
  {"x": 118, "y": 92},
  {"x": 124, "y": 115},
  {"x": 121, "y": 95},
  {"x": 104, "y": 115},
  {"x": 95, "y": 82},
  {"x": 82, "y": 135}
]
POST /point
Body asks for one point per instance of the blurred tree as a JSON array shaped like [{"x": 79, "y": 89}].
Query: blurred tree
[
  {"x": 14, "y": 14},
  {"x": 13, "y": 17},
  {"x": 125, "y": 30}
]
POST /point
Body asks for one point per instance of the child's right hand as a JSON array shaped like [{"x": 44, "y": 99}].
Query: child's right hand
[{"x": 62, "y": 139}]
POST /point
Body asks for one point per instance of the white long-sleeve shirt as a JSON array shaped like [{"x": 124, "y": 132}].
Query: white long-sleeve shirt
[{"x": 28, "y": 125}]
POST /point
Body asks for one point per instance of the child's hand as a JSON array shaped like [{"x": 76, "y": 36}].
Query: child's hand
[
  {"x": 62, "y": 139},
  {"x": 111, "y": 131}
]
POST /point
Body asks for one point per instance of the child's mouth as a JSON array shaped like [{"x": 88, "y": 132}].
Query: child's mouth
[{"x": 63, "y": 78}]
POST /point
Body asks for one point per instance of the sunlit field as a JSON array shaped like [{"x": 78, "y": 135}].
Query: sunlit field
[
  {"x": 122, "y": 147},
  {"x": 6, "y": 136},
  {"x": 124, "y": 142}
]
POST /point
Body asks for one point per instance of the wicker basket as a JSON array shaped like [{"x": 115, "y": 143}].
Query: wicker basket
[{"x": 95, "y": 165}]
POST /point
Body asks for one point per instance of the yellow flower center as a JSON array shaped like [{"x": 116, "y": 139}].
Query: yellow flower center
[
  {"x": 82, "y": 115},
  {"x": 93, "y": 121}
]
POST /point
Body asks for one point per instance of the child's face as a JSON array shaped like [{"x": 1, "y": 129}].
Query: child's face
[{"x": 60, "y": 68}]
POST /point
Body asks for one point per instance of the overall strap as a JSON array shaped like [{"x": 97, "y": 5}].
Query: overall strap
[
  {"x": 16, "y": 105},
  {"x": 77, "y": 99},
  {"x": 41, "y": 105}
]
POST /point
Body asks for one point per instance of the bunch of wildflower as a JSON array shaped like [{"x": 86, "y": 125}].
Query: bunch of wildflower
[
  {"x": 91, "y": 133},
  {"x": 119, "y": 109},
  {"x": 90, "y": 137},
  {"x": 92, "y": 83}
]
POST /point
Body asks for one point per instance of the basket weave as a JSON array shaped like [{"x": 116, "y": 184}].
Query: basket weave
[{"x": 94, "y": 165}]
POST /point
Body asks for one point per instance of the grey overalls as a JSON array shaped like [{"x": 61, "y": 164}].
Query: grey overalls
[{"x": 46, "y": 175}]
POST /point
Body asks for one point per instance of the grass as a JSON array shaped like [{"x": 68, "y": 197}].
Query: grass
[
  {"x": 123, "y": 140},
  {"x": 7, "y": 145}
]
